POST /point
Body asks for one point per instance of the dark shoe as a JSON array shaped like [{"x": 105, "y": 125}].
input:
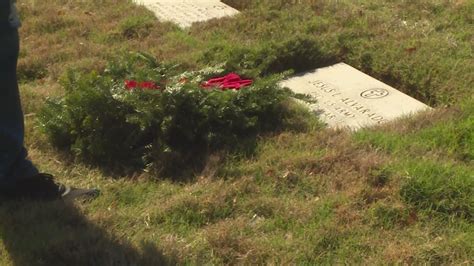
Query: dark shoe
[
  {"x": 38, "y": 187},
  {"x": 43, "y": 187}
]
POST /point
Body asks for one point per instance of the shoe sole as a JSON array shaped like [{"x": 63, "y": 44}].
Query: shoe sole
[{"x": 72, "y": 193}]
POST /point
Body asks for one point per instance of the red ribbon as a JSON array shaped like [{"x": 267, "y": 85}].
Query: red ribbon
[{"x": 147, "y": 85}]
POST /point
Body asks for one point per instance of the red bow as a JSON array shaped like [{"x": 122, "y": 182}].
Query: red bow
[{"x": 231, "y": 81}]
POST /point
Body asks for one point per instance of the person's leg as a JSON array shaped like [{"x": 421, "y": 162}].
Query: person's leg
[
  {"x": 13, "y": 161},
  {"x": 19, "y": 178}
]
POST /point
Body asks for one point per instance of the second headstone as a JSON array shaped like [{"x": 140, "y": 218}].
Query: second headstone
[{"x": 186, "y": 12}]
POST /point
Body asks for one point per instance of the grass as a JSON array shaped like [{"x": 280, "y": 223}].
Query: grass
[{"x": 398, "y": 193}]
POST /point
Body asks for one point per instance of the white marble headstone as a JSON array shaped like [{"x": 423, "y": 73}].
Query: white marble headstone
[
  {"x": 186, "y": 12},
  {"x": 346, "y": 97}
]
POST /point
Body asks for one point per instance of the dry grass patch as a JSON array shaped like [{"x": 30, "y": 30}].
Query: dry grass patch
[{"x": 230, "y": 243}]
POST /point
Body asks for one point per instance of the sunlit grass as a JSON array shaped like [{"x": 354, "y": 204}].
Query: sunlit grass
[{"x": 399, "y": 193}]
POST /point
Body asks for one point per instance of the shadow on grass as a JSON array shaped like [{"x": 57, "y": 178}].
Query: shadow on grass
[{"x": 58, "y": 234}]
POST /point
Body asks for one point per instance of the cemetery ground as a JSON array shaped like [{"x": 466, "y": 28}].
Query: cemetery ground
[{"x": 396, "y": 193}]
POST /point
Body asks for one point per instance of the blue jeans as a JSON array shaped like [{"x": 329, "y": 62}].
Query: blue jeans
[{"x": 13, "y": 156}]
